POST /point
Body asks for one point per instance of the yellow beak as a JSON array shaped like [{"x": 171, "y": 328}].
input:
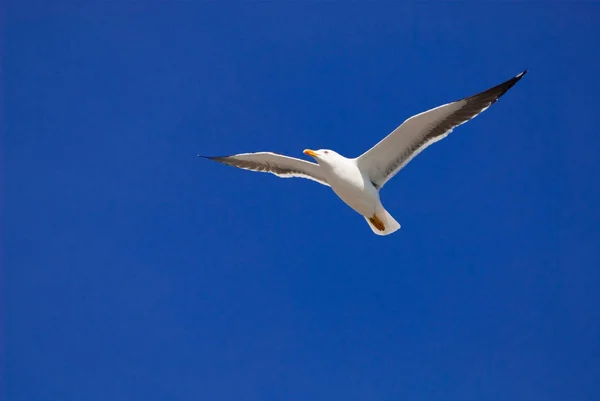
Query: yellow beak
[{"x": 310, "y": 152}]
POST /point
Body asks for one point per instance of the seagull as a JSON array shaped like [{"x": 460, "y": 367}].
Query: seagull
[{"x": 358, "y": 181}]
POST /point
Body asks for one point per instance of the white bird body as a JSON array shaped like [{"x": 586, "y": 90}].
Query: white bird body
[
  {"x": 352, "y": 187},
  {"x": 348, "y": 182},
  {"x": 357, "y": 181},
  {"x": 355, "y": 189}
]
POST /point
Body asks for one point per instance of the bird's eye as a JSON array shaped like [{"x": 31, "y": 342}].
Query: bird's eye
[{"x": 326, "y": 152}]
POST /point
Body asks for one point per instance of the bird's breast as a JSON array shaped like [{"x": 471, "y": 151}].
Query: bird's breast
[{"x": 350, "y": 185}]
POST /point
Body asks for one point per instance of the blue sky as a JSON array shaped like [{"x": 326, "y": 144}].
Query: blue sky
[{"x": 134, "y": 270}]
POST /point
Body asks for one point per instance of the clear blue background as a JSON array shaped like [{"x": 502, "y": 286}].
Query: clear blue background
[{"x": 134, "y": 270}]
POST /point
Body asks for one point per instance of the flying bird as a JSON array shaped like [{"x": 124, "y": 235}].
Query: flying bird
[{"x": 358, "y": 181}]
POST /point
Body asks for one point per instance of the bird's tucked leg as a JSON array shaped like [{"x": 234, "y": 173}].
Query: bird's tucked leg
[{"x": 378, "y": 224}]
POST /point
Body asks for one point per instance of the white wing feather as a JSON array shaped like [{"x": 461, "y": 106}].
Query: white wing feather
[
  {"x": 415, "y": 134},
  {"x": 268, "y": 162}
]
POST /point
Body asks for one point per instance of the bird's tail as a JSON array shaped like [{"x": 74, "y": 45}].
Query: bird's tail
[{"x": 382, "y": 223}]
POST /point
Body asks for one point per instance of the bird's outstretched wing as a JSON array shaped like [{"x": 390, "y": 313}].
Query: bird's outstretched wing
[
  {"x": 280, "y": 165},
  {"x": 394, "y": 151}
]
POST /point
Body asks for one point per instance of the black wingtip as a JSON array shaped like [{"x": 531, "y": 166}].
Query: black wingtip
[
  {"x": 213, "y": 158},
  {"x": 519, "y": 76}
]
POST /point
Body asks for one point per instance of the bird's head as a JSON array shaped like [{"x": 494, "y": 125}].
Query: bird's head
[{"x": 322, "y": 156}]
